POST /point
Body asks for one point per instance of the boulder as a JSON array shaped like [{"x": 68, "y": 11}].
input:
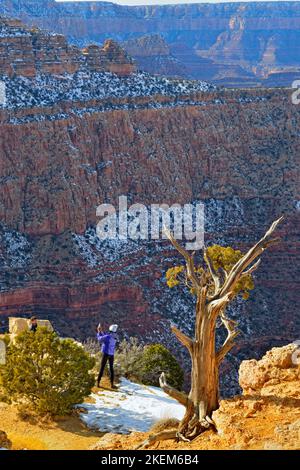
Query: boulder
[
  {"x": 17, "y": 325},
  {"x": 46, "y": 324},
  {"x": 276, "y": 366},
  {"x": 4, "y": 441}
]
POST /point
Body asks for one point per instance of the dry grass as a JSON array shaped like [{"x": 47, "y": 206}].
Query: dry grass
[{"x": 164, "y": 424}]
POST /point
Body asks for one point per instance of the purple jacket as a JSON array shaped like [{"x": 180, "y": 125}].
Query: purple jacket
[{"x": 108, "y": 342}]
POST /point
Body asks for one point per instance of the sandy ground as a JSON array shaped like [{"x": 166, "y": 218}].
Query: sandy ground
[
  {"x": 67, "y": 433},
  {"x": 270, "y": 421},
  {"x": 64, "y": 434}
]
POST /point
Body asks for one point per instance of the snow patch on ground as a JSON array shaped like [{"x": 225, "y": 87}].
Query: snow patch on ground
[{"x": 134, "y": 407}]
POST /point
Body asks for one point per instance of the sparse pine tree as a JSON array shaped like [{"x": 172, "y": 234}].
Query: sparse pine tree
[{"x": 223, "y": 274}]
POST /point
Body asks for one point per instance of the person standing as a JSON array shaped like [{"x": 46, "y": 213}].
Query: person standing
[
  {"x": 33, "y": 324},
  {"x": 108, "y": 343}
]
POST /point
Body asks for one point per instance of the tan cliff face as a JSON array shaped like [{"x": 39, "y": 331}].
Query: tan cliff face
[
  {"x": 69, "y": 166},
  {"x": 26, "y": 51}
]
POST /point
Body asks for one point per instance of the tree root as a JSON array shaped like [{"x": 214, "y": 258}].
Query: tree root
[
  {"x": 190, "y": 434},
  {"x": 160, "y": 436}
]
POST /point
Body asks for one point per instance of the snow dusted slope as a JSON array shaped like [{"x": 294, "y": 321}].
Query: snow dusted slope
[
  {"x": 134, "y": 407},
  {"x": 47, "y": 90}
]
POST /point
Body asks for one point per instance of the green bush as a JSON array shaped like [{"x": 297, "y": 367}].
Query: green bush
[
  {"x": 144, "y": 364},
  {"x": 157, "y": 359},
  {"x": 47, "y": 372}
]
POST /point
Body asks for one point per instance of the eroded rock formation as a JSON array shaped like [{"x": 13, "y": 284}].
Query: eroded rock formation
[
  {"x": 236, "y": 44},
  {"x": 153, "y": 54},
  {"x": 26, "y": 52}
]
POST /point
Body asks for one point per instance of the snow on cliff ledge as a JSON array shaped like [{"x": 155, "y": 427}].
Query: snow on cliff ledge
[
  {"x": 47, "y": 90},
  {"x": 133, "y": 407}
]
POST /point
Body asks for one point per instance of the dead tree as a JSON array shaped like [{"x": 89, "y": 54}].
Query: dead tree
[{"x": 214, "y": 291}]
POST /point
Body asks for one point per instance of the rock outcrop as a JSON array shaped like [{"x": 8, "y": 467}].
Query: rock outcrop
[
  {"x": 153, "y": 55},
  {"x": 5, "y": 443},
  {"x": 27, "y": 52},
  {"x": 280, "y": 365},
  {"x": 236, "y": 44},
  {"x": 266, "y": 420},
  {"x": 18, "y": 325}
]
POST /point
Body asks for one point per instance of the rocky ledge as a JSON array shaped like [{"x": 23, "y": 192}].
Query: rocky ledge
[{"x": 265, "y": 417}]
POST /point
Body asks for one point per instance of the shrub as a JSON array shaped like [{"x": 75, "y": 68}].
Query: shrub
[
  {"x": 93, "y": 348},
  {"x": 157, "y": 359},
  {"x": 128, "y": 359},
  {"x": 47, "y": 372}
]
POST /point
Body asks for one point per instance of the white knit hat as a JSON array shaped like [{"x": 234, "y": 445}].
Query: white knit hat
[{"x": 113, "y": 328}]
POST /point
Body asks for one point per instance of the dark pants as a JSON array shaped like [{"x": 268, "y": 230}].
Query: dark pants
[{"x": 110, "y": 359}]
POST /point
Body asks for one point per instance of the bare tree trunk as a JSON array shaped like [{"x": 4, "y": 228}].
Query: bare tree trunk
[
  {"x": 204, "y": 386},
  {"x": 203, "y": 396}
]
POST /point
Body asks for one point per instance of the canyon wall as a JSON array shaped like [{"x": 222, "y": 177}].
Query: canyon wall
[
  {"x": 235, "y": 44},
  {"x": 235, "y": 153},
  {"x": 71, "y": 140},
  {"x": 26, "y": 51}
]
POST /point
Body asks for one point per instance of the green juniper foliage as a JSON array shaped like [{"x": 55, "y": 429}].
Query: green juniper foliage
[
  {"x": 157, "y": 359},
  {"x": 48, "y": 372},
  {"x": 222, "y": 259},
  {"x": 144, "y": 364}
]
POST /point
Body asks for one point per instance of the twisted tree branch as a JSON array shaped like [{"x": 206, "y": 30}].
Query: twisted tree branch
[
  {"x": 160, "y": 436},
  {"x": 184, "y": 339},
  {"x": 212, "y": 272},
  {"x": 238, "y": 269},
  {"x": 190, "y": 268},
  {"x": 181, "y": 397},
  {"x": 232, "y": 333},
  {"x": 216, "y": 306}
]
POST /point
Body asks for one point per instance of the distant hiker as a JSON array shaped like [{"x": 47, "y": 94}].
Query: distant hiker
[
  {"x": 108, "y": 345},
  {"x": 33, "y": 324}
]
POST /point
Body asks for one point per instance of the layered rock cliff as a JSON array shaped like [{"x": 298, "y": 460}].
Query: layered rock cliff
[
  {"x": 153, "y": 54},
  {"x": 236, "y": 44},
  {"x": 72, "y": 141},
  {"x": 27, "y": 52}
]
